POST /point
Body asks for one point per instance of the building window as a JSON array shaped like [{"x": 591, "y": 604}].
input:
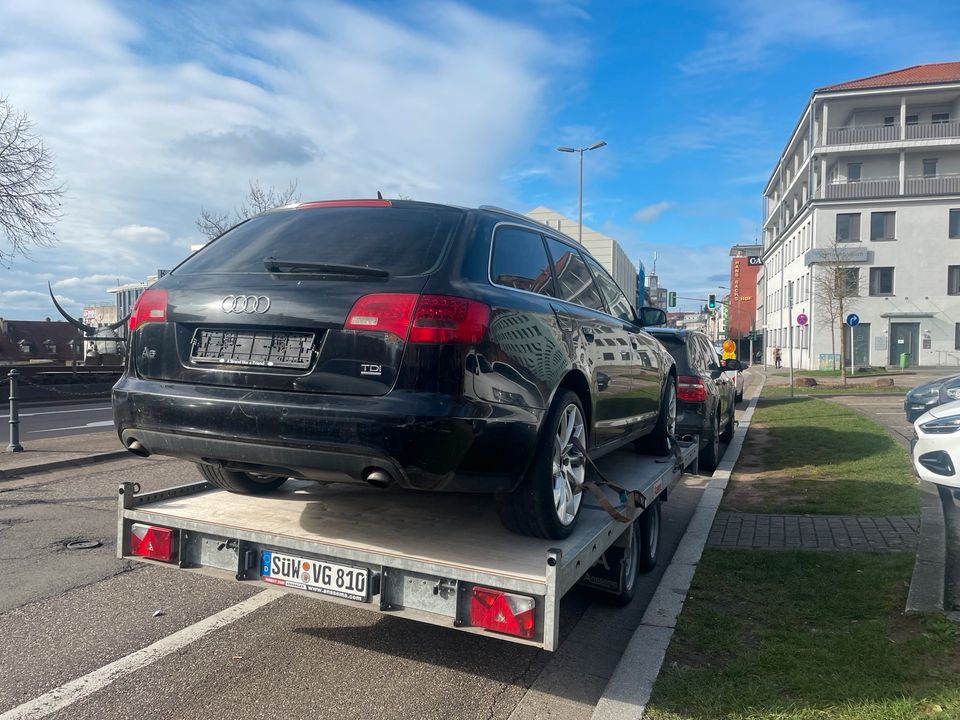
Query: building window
[
  {"x": 848, "y": 227},
  {"x": 883, "y": 226},
  {"x": 953, "y": 280},
  {"x": 888, "y": 120},
  {"x": 940, "y": 118},
  {"x": 851, "y": 281},
  {"x": 854, "y": 171},
  {"x": 929, "y": 167},
  {"x": 913, "y": 119},
  {"x": 881, "y": 281},
  {"x": 955, "y": 223}
]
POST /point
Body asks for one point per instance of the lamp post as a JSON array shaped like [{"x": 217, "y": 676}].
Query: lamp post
[{"x": 596, "y": 146}]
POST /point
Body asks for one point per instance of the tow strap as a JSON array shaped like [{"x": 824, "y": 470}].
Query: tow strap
[{"x": 632, "y": 502}]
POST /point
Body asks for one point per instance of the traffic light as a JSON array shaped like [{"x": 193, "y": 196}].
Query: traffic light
[
  {"x": 671, "y": 299},
  {"x": 712, "y": 301}
]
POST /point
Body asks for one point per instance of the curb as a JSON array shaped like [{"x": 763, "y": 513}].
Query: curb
[
  {"x": 59, "y": 464},
  {"x": 927, "y": 584},
  {"x": 628, "y": 690}
]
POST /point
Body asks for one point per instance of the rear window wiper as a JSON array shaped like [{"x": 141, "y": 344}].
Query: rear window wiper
[{"x": 299, "y": 266}]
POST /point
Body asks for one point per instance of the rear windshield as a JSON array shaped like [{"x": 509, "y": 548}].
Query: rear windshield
[
  {"x": 676, "y": 347},
  {"x": 403, "y": 241}
]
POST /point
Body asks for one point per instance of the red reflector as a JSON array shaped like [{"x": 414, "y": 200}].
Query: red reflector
[
  {"x": 437, "y": 319},
  {"x": 691, "y": 389},
  {"x": 502, "y": 612},
  {"x": 151, "y": 306},
  {"x": 151, "y": 541},
  {"x": 343, "y": 203}
]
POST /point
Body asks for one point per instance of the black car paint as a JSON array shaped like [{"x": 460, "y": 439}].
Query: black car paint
[
  {"x": 431, "y": 419},
  {"x": 929, "y": 395}
]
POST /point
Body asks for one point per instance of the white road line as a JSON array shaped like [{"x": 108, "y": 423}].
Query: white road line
[
  {"x": 75, "y": 690},
  {"x": 58, "y": 412},
  {"x": 95, "y": 423}
]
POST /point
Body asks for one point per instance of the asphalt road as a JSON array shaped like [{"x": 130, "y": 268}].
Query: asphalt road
[
  {"x": 66, "y": 613},
  {"x": 40, "y": 421}
]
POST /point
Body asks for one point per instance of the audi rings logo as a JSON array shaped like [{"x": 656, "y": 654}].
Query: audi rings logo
[{"x": 249, "y": 304}]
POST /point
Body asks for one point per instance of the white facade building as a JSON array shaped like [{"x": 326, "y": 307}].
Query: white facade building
[
  {"x": 605, "y": 249},
  {"x": 875, "y": 165}
]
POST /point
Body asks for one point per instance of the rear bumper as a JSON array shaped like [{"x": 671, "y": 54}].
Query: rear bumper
[{"x": 423, "y": 441}]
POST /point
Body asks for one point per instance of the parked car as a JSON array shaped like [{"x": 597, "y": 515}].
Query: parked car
[
  {"x": 924, "y": 397},
  {"x": 734, "y": 376},
  {"x": 936, "y": 449},
  {"x": 396, "y": 342},
  {"x": 706, "y": 396}
]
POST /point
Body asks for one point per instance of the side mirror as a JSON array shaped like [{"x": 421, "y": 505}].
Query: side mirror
[
  {"x": 650, "y": 316},
  {"x": 732, "y": 364}
]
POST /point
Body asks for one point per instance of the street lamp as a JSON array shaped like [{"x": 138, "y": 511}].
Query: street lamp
[{"x": 596, "y": 146}]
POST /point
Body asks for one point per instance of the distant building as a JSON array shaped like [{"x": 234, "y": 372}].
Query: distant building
[
  {"x": 743, "y": 290},
  {"x": 656, "y": 296},
  {"x": 605, "y": 249},
  {"x": 100, "y": 314},
  {"x": 31, "y": 341},
  {"x": 872, "y": 165}
]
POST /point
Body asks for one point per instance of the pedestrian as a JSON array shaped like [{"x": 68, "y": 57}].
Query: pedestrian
[{"x": 776, "y": 356}]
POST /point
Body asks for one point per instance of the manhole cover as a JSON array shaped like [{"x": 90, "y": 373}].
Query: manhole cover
[{"x": 83, "y": 544}]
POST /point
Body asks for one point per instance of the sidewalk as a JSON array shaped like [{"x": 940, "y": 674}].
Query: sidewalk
[{"x": 58, "y": 452}]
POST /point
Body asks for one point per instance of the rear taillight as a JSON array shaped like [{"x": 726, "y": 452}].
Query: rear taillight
[
  {"x": 691, "y": 389},
  {"x": 503, "y": 612},
  {"x": 152, "y": 541},
  {"x": 151, "y": 306},
  {"x": 421, "y": 318}
]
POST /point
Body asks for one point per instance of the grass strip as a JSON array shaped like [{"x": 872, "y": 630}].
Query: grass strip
[
  {"x": 812, "y": 456},
  {"x": 806, "y": 635},
  {"x": 851, "y": 389}
]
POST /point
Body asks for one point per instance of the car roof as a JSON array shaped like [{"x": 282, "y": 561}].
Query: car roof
[{"x": 679, "y": 333}]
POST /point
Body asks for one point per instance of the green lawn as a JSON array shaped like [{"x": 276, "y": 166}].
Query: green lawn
[
  {"x": 806, "y": 635},
  {"x": 833, "y": 389},
  {"x": 836, "y": 373},
  {"x": 812, "y": 456}
]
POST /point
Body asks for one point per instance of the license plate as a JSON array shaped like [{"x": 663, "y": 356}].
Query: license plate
[
  {"x": 260, "y": 348},
  {"x": 317, "y": 576}
]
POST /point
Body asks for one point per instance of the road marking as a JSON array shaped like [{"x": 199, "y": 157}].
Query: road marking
[
  {"x": 75, "y": 690},
  {"x": 95, "y": 423},
  {"x": 59, "y": 412}
]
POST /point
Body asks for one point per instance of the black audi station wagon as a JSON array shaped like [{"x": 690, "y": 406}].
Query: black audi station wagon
[{"x": 396, "y": 342}]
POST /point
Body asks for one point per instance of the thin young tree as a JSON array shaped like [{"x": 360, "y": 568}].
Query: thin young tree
[
  {"x": 29, "y": 194},
  {"x": 213, "y": 223},
  {"x": 836, "y": 287}
]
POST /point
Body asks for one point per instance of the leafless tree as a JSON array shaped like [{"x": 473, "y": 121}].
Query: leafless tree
[
  {"x": 213, "y": 224},
  {"x": 29, "y": 197},
  {"x": 836, "y": 287}
]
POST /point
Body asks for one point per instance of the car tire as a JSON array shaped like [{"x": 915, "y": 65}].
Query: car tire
[
  {"x": 739, "y": 397},
  {"x": 239, "y": 482},
  {"x": 545, "y": 503},
  {"x": 710, "y": 453},
  {"x": 649, "y": 526},
  {"x": 658, "y": 442},
  {"x": 727, "y": 434}
]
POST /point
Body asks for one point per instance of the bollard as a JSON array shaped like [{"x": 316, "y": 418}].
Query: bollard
[{"x": 14, "y": 445}]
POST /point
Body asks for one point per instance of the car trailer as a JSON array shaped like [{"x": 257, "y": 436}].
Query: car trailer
[{"x": 439, "y": 558}]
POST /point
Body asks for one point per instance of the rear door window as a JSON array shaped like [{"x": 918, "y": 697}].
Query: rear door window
[
  {"x": 576, "y": 284},
  {"x": 520, "y": 261},
  {"x": 616, "y": 300},
  {"x": 404, "y": 241}
]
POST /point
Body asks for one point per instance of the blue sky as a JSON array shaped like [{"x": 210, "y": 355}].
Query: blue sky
[{"x": 155, "y": 109}]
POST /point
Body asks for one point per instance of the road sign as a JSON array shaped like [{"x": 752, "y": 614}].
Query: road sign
[
  {"x": 853, "y": 320},
  {"x": 755, "y": 261},
  {"x": 729, "y": 346},
  {"x": 802, "y": 319}
]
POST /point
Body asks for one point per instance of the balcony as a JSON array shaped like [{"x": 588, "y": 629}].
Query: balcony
[
  {"x": 871, "y": 188},
  {"x": 938, "y": 185},
  {"x": 933, "y": 130},
  {"x": 891, "y": 133}
]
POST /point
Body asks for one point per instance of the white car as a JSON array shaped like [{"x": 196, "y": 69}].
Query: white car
[{"x": 936, "y": 449}]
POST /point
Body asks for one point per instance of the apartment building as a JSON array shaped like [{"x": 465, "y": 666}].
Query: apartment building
[
  {"x": 872, "y": 165},
  {"x": 606, "y": 250}
]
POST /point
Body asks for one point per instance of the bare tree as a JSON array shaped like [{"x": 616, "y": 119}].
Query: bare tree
[
  {"x": 258, "y": 200},
  {"x": 29, "y": 199},
  {"x": 836, "y": 287}
]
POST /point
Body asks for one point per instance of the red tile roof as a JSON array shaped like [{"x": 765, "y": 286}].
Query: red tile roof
[{"x": 915, "y": 75}]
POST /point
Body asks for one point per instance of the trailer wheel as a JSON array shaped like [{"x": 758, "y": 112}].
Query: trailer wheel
[
  {"x": 239, "y": 482},
  {"x": 629, "y": 566},
  {"x": 649, "y": 527},
  {"x": 546, "y": 503}
]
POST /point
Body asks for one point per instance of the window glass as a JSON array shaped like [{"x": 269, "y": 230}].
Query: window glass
[
  {"x": 929, "y": 167},
  {"x": 955, "y": 223},
  {"x": 404, "y": 241},
  {"x": 912, "y": 119},
  {"x": 851, "y": 281},
  {"x": 888, "y": 120},
  {"x": 616, "y": 301},
  {"x": 853, "y": 171},
  {"x": 881, "y": 281},
  {"x": 520, "y": 261},
  {"x": 883, "y": 226},
  {"x": 941, "y": 117},
  {"x": 848, "y": 227},
  {"x": 953, "y": 280},
  {"x": 576, "y": 285}
]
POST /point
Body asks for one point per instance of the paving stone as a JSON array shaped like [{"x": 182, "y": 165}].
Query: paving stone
[{"x": 813, "y": 532}]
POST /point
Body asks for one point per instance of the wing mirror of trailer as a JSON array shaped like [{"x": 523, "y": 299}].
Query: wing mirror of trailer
[{"x": 651, "y": 316}]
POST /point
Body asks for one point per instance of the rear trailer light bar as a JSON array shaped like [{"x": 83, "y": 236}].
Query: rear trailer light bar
[
  {"x": 153, "y": 542},
  {"x": 503, "y": 612}
]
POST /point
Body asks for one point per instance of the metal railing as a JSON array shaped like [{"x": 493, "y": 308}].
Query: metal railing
[
  {"x": 871, "y": 188},
  {"x": 933, "y": 130},
  {"x": 938, "y": 185},
  {"x": 862, "y": 134}
]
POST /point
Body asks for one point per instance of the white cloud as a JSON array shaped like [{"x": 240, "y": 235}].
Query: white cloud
[
  {"x": 652, "y": 212},
  {"x": 153, "y": 113}
]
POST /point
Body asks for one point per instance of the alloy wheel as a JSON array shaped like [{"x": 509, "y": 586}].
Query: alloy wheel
[{"x": 568, "y": 467}]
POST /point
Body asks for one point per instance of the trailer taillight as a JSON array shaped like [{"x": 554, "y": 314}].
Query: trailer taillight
[
  {"x": 503, "y": 612},
  {"x": 151, "y": 541}
]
